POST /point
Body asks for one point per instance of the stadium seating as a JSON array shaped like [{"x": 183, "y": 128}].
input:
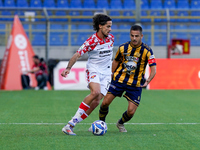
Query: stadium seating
[
  {"x": 156, "y": 13},
  {"x": 170, "y": 4},
  {"x": 6, "y": 16},
  {"x": 62, "y": 14},
  {"x": 156, "y": 4},
  {"x": 195, "y": 4},
  {"x": 103, "y": 4},
  {"x": 49, "y": 3},
  {"x": 87, "y": 13},
  {"x": 36, "y": 3},
  {"x": 75, "y": 13},
  {"x": 182, "y": 4},
  {"x": 144, "y": 4},
  {"x": 125, "y": 26},
  {"x": 1, "y": 4},
  {"x": 20, "y": 14},
  {"x": 55, "y": 40},
  {"x": 144, "y": 14},
  {"x": 9, "y": 3},
  {"x": 129, "y": 4},
  {"x": 62, "y": 4},
  {"x": 38, "y": 39},
  {"x": 129, "y": 14},
  {"x": 116, "y": 14},
  {"x": 89, "y": 4},
  {"x": 182, "y": 14},
  {"x": 160, "y": 39},
  {"x": 195, "y": 14},
  {"x": 22, "y": 3},
  {"x": 76, "y": 4},
  {"x": 65, "y": 39},
  {"x": 116, "y": 4}
]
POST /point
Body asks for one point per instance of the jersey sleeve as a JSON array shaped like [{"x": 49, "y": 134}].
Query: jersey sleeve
[
  {"x": 151, "y": 58},
  {"x": 83, "y": 49}
]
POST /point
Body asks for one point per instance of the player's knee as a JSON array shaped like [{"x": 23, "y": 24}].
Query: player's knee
[
  {"x": 95, "y": 93},
  {"x": 130, "y": 113}
]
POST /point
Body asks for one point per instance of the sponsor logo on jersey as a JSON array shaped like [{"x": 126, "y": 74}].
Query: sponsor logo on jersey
[{"x": 92, "y": 77}]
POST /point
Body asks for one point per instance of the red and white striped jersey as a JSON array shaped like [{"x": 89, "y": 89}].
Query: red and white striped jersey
[{"x": 100, "y": 53}]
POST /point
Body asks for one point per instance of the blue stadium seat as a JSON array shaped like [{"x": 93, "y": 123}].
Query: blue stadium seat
[
  {"x": 156, "y": 4},
  {"x": 123, "y": 38},
  {"x": 182, "y": 13},
  {"x": 55, "y": 40},
  {"x": 20, "y": 15},
  {"x": 36, "y": 3},
  {"x": 40, "y": 27},
  {"x": 129, "y": 14},
  {"x": 194, "y": 39},
  {"x": 115, "y": 13},
  {"x": 129, "y": 4},
  {"x": 160, "y": 39},
  {"x": 194, "y": 27},
  {"x": 114, "y": 27},
  {"x": 144, "y": 4},
  {"x": 60, "y": 13},
  {"x": 56, "y": 27},
  {"x": 195, "y": 14},
  {"x": 1, "y": 4},
  {"x": 182, "y": 4},
  {"x": 38, "y": 39},
  {"x": 116, "y": 4},
  {"x": 75, "y": 13},
  {"x": 84, "y": 26},
  {"x": 22, "y": 3},
  {"x": 87, "y": 13},
  {"x": 89, "y": 4},
  {"x": 6, "y": 14},
  {"x": 9, "y": 3},
  {"x": 170, "y": 4},
  {"x": 65, "y": 39},
  {"x": 49, "y": 3},
  {"x": 103, "y": 4},
  {"x": 62, "y": 4},
  {"x": 147, "y": 38},
  {"x": 156, "y": 13},
  {"x": 125, "y": 26},
  {"x": 2, "y": 28},
  {"x": 180, "y": 26},
  {"x": 76, "y": 4},
  {"x": 195, "y": 4},
  {"x": 144, "y": 14}
]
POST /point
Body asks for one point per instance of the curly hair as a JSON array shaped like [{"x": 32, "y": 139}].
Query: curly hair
[{"x": 100, "y": 19}]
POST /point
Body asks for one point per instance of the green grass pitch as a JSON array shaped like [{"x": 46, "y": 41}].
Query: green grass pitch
[{"x": 165, "y": 120}]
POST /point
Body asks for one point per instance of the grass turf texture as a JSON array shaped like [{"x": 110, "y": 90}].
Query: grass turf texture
[{"x": 57, "y": 107}]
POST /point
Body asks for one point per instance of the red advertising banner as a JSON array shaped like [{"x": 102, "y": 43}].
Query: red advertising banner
[{"x": 177, "y": 74}]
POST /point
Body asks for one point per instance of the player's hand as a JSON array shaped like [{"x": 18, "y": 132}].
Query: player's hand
[
  {"x": 145, "y": 83},
  {"x": 65, "y": 72}
]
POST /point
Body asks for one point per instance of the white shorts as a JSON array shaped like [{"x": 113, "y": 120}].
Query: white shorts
[{"x": 103, "y": 80}]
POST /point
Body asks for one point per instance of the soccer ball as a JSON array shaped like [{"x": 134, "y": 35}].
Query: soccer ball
[{"x": 99, "y": 127}]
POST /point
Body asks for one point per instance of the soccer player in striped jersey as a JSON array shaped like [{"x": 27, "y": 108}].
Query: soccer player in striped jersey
[
  {"x": 100, "y": 49},
  {"x": 128, "y": 70}
]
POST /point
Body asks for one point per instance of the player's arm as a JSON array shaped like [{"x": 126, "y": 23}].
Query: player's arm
[
  {"x": 151, "y": 76},
  {"x": 70, "y": 64},
  {"x": 35, "y": 69},
  {"x": 115, "y": 63}
]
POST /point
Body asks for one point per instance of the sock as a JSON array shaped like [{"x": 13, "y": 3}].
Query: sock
[
  {"x": 80, "y": 114},
  {"x": 103, "y": 113},
  {"x": 124, "y": 118}
]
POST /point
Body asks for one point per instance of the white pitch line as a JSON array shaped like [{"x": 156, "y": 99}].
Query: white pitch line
[{"x": 106, "y": 123}]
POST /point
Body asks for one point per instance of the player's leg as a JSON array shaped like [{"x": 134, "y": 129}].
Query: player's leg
[
  {"x": 133, "y": 95},
  {"x": 126, "y": 116},
  {"x": 104, "y": 108}
]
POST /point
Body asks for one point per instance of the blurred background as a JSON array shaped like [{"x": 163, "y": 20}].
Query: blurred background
[{"x": 57, "y": 28}]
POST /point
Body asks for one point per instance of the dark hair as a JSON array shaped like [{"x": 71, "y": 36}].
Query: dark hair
[
  {"x": 36, "y": 57},
  {"x": 100, "y": 19},
  {"x": 136, "y": 28}
]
